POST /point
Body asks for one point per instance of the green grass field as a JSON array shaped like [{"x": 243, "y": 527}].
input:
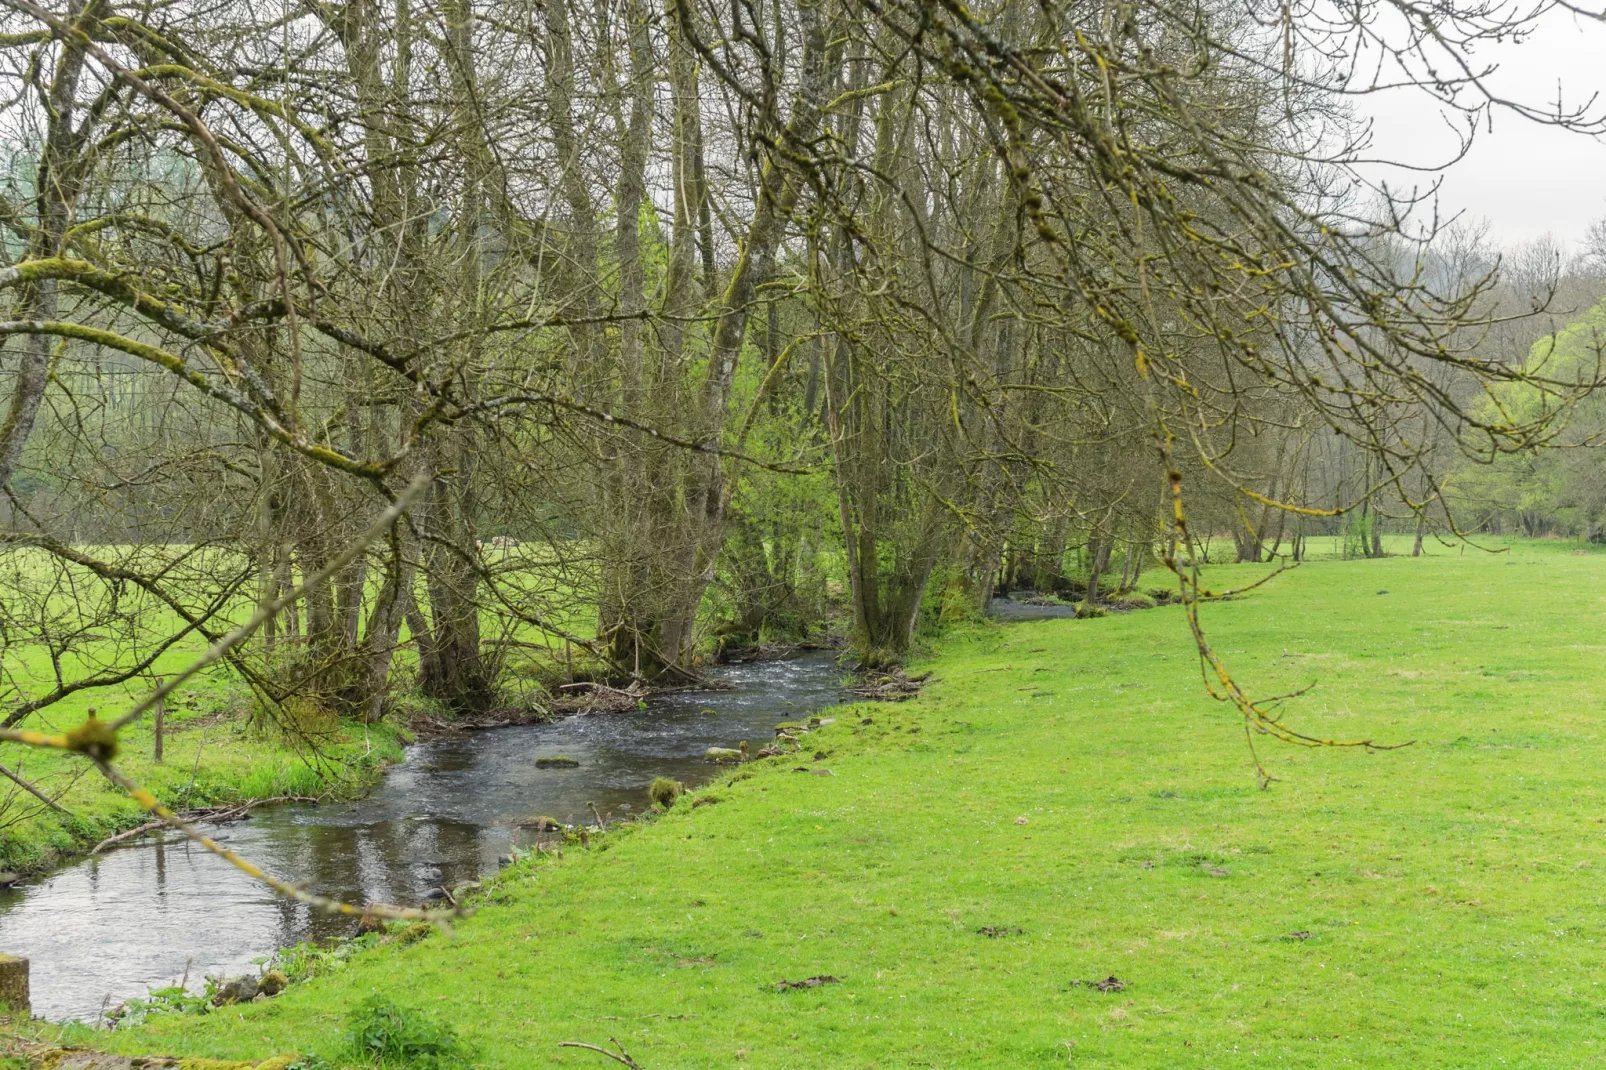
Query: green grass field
[{"x": 1450, "y": 891}]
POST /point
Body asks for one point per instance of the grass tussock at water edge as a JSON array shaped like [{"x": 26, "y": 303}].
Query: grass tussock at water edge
[{"x": 1058, "y": 851}]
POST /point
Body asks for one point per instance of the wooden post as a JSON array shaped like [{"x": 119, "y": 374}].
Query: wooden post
[
  {"x": 14, "y": 985},
  {"x": 158, "y": 712}
]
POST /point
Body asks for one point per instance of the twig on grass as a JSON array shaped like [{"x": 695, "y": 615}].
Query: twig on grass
[{"x": 623, "y": 1058}]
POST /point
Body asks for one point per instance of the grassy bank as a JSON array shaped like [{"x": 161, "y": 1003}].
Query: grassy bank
[
  {"x": 1068, "y": 786},
  {"x": 213, "y": 754}
]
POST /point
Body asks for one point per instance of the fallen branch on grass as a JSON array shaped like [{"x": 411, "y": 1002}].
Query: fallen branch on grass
[
  {"x": 893, "y": 687},
  {"x": 623, "y": 1058}
]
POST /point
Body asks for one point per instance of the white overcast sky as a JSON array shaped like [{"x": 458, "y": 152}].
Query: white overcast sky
[{"x": 1525, "y": 179}]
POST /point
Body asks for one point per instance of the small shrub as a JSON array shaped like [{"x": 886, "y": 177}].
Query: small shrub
[
  {"x": 306, "y": 960},
  {"x": 305, "y": 716},
  {"x": 408, "y": 705},
  {"x": 664, "y": 792},
  {"x": 386, "y": 1034},
  {"x": 174, "y": 999}
]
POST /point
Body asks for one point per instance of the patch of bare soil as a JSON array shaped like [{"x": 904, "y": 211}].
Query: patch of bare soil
[{"x": 807, "y": 982}]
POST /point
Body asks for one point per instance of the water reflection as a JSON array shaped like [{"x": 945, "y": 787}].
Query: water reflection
[{"x": 114, "y": 925}]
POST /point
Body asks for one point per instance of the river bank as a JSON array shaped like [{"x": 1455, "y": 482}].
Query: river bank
[
  {"x": 213, "y": 757},
  {"x": 217, "y": 756},
  {"x": 107, "y": 929},
  {"x": 1063, "y": 805}
]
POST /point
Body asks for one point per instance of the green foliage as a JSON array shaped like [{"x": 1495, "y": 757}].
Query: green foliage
[
  {"x": 308, "y": 959},
  {"x": 389, "y": 1035},
  {"x": 173, "y": 999},
  {"x": 1358, "y": 535},
  {"x": 950, "y": 599},
  {"x": 1554, "y": 491}
]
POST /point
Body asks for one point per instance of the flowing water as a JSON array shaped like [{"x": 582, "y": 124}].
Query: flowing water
[
  {"x": 112, "y": 926},
  {"x": 1006, "y": 609}
]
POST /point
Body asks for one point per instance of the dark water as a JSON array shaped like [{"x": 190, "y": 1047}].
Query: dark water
[
  {"x": 112, "y": 926},
  {"x": 1006, "y": 609}
]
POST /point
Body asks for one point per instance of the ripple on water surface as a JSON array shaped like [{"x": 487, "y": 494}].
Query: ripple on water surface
[{"x": 112, "y": 926}]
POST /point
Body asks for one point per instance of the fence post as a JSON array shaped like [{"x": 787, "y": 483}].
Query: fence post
[
  {"x": 159, "y": 712},
  {"x": 14, "y": 985}
]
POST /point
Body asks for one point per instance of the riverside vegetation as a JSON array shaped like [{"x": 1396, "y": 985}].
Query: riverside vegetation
[
  {"x": 490, "y": 358},
  {"x": 1060, "y": 806},
  {"x": 215, "y": 754}
]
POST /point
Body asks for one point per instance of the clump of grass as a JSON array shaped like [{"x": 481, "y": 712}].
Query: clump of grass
[
  {"x": 386, "y": 1034},
  {"x": 664, "y": 792}
]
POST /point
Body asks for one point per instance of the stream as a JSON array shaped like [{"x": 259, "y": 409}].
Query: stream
[
  {"x": 112, "y": 926},
  {"x": 1005, "y": 610}
]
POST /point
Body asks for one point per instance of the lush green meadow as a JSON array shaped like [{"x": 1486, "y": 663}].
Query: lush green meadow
[{"x": 1069, "y": 783}]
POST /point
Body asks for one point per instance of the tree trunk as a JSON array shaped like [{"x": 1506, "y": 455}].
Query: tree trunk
[{"x": 56, "y": 182}]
